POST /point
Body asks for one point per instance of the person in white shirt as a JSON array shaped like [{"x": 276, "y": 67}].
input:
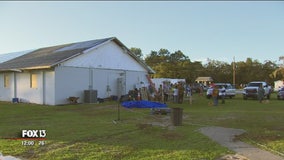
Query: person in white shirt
[
  {"x": 223, "y": 94},
  {"x": 175, "y": 94}
]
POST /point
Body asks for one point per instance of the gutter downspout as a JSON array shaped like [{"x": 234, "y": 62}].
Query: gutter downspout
[
  {"x": 15, "y": 84},
  {"x": 43, "y": 88}
]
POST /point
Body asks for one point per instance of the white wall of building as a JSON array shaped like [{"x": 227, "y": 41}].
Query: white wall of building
[
  {"x": 6, "y": 93},
  {"x": 106, "y": 78},
  {"x": 136, "y": 79},
  {"x": 49, "y": 91},
  {"x": 24, "y": 91},
  {"x": 72, "y": 81},
  {"x": 107, "y": 56},
  {"x": 19, "y": 87}
]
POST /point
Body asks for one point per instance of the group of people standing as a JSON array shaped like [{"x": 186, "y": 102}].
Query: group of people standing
[{"x": 174, "y": 92}]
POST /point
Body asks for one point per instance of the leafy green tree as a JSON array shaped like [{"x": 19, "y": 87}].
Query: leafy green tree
[
  {"x": 178, "y": 65},
  {"x": 219, "y": 71},
  {"x": 137, "y": 52},
  {"x": 169, "y": 65},
  {"x": 278, "y": 72}
]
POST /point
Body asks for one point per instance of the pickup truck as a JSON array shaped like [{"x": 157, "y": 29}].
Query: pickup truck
[
  {"x": 250, "y": 91},
  {"x": 230, "y": 90}
]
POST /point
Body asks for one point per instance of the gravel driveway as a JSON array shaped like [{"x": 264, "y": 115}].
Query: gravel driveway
[{"x": 225, "y": 137}]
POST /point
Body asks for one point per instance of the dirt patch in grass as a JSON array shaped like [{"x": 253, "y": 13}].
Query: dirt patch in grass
[
  {"x": 172, "y": 136},
  {"x": 143, "y": 126},
  {"x": 278, "y": 128},
  {"x": 167, "y": 135}
]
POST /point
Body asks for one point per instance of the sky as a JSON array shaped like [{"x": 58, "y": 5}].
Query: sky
[{"x": 216, "y": 30}]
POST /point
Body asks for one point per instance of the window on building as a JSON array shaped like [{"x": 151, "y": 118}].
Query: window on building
[
  {"x": 6, "y": 80},
  {"x": 33, "y": 80}
]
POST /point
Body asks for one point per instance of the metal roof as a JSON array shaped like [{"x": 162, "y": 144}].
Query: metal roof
[
  {"x": 83, "y": 45},
  {"x": 50, "y": 56},
  {"x": 9, "y": 56}
]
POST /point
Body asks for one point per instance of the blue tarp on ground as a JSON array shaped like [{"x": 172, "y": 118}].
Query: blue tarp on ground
[{"x": 143, "y": 104}]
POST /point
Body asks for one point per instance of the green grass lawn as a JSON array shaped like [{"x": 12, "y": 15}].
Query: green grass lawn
[{"x": 88, "y": 131}]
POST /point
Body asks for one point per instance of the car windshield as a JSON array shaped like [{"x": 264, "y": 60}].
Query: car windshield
[
  {"x": 254, "y": 84},
  {"x": 221, "y": 86}
]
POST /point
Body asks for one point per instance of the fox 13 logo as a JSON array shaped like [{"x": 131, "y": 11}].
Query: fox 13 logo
[{"x": 33, "y": 133}]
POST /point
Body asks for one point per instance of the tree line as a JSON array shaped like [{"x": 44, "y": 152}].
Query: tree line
[{"x": 178, "y": 65}]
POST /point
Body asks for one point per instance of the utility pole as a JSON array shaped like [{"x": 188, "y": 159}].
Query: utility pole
[
  {"x": 234, "y": 72},
  {"x": 281, "y": 58}
]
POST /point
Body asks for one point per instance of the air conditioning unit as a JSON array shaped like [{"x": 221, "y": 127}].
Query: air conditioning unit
[{"x": 90, "y": 96}]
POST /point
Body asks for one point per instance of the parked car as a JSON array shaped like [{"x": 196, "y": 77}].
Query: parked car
[
  {"x": 230, "y": 90},
  {"x": 280, "y": 94},
  {"x": 252, "y": 88}
]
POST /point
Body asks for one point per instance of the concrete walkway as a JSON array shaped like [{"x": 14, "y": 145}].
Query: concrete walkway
[
  {"x": 225, "y": 137},
  {"x": 8, "y": 157}
]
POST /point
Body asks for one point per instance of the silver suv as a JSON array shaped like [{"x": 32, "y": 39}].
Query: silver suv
[{"x": 230, "y": 90}]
